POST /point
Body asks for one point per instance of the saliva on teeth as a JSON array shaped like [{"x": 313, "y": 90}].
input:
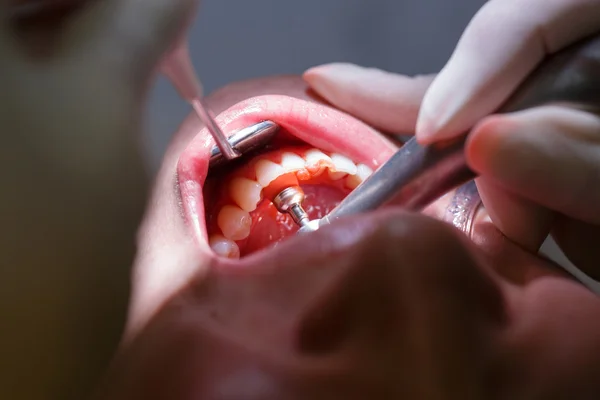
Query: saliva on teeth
[{"x": 235, "y": 221}]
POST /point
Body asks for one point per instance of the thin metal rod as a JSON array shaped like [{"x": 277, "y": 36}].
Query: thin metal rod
[
  {"x": 223, "y": 144},
  {"x": 413, "y": 177},
  {"x": 179, "y": 69}
]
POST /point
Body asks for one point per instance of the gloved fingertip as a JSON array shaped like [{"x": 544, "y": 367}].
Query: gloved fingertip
[
  {"x": 428, "y": 131},
  {"x": 334, "y": 82},
  {"x": 425, "y": 132},
  {"x": 433, "y": 126},
  {"x": 435, "y": 113},
  {"x": 331, "y": 69},
  {"x": 488, "y": 147},
  {"x": 325, "y": 78},
  {"x": 520, "y": 220}
]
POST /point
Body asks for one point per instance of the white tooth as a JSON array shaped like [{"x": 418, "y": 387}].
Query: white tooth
[
  {"x": 224, "y": 247},
  {"x": 343, "y": 166},
  {"x": 234, "y": 222},
  {"x": 267, "y": 171},
  {"x": 245, "y": 192},
  {"x": 314, "y": 158},
  {"x": 362, "y": 173},
  {"x": 291, "y": 162}
]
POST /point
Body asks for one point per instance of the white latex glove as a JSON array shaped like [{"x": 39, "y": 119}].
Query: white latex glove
[
  {"x": 540, "y": 168},
  {"x": 533, "y": 163},
  {"x": 74, "y": 188}
]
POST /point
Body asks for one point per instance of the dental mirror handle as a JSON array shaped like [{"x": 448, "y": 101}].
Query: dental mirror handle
[
  {"x": 416, "y": 175},
  {"x": 179, "y": 69}
]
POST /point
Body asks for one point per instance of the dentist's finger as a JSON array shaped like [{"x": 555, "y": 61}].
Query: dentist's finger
[
  {"x": 549, "y": 155},
  {"x": 382, "y": 99},
  {"x": 502, "y": 44},
  {"x": 521, "y": 220}
]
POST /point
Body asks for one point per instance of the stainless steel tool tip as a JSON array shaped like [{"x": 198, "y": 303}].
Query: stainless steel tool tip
[
  {"x": 289, "y": 201},
  {"x": 246, "y": 140}
]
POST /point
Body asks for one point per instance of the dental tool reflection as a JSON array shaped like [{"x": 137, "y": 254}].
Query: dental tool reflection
[{"x": 178, "y": 68}]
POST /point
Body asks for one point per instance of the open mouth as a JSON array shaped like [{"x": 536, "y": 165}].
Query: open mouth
[{"x": 325, "y": 152}]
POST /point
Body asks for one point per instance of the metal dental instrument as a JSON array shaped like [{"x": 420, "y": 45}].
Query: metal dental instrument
[
  {"x": 180, "y": 71},
  {"x": 290, "y": 201},
  {"x": 416, "y": 175},
  {"x": 246, "y": 140}
]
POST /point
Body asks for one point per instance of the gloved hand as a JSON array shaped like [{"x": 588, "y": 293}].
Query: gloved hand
[
  {"x": 539, "y": 168},
  {"x": 74, "y": 184}
]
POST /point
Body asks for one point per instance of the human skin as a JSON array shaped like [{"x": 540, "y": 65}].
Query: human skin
[
  {"x": 77, "y": 187},
  {"x": 390, "y": 304}
]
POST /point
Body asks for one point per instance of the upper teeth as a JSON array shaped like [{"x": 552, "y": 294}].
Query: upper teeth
[
  {"x": 342, "y": 166},
  {"x": 362, "y": 173},
  {"x": 317, "y": 161},
  {"x": 267, "y": 171},
  {"x": 292, "y": 162}
]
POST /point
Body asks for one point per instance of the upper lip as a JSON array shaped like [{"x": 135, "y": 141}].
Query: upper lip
[{"x": 313, "y": 123}]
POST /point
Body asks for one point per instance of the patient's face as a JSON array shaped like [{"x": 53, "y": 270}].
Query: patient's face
[{"x": 229, "y": 304}]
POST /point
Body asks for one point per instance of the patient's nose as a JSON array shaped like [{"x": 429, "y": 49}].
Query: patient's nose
[
  {"x": 410, "y": 303},
  {"x": 410, "y": 267},
  {"x": 405, "y": 312}
]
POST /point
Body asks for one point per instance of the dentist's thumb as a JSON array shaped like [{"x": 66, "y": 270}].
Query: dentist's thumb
[
  {"x": 537, "y": 166},
  {"x": 502, "y": 44}
]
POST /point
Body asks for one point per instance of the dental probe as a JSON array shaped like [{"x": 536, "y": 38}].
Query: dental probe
[
  {"x": 180, "y": 71},
  {"x": 416, "y": 175}
]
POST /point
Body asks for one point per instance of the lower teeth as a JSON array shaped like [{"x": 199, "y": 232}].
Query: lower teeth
[
  {"x": 234, "y": 220},
  {"x": 224, "y": 247}
]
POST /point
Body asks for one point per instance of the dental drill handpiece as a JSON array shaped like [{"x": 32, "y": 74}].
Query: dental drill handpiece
[
  {"x": 417, "y": 175},
  {"x": 180, "y": 71}
]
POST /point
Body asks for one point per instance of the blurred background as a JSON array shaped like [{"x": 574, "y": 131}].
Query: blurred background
[{"x": 233, "y": 40}]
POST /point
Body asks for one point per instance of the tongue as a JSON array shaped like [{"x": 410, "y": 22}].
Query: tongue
[{"x": 270, "y": 227}]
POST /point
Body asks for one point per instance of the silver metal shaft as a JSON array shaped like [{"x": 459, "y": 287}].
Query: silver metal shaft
[
  {"x": 416, "y": 175},
  {"x": 246, "y": 140},
  {"x": 178, "y": 67},
  {"x": 227, "y": 149}
]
